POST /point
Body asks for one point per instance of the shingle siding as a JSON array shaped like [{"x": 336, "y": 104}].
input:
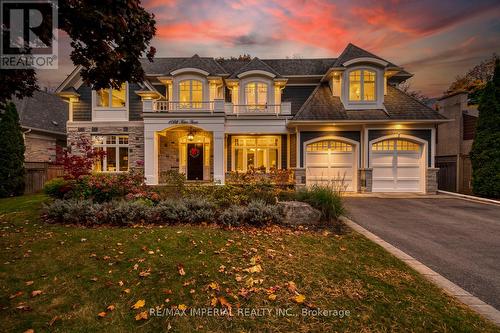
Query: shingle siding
[
  {"x": 135, "y": 103},
  {"x": 82, "y": 110}
]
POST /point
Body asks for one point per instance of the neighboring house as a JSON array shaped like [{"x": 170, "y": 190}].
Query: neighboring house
[
  {"x": 43, "y": 119},
  {"x": 327, "y": 119},
  {"x": 454, "y": 142}
]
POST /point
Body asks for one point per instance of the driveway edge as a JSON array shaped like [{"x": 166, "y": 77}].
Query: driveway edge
[{"x": 449, "y": 287}]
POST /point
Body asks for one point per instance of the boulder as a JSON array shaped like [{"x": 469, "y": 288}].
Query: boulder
[{"x": 299, "y": 213}]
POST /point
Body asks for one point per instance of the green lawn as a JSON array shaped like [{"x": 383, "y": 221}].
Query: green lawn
[{"x": 81, "y": 272}]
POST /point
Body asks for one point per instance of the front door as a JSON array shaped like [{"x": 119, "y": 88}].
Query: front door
[{"x": 195, "y": 161}]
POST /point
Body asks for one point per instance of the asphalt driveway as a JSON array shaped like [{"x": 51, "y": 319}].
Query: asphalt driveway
[{"x": 459, "y": 239}]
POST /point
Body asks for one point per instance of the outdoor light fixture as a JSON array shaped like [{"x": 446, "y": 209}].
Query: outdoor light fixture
[{"x": 190, "y": 136}]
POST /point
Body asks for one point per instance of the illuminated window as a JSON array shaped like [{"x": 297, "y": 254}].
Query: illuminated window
[
  {"x": 256, "y": 95},
  {"x": 393, "y": 144},
  {"x": 331, "y": 145},
  {"x": 362, "y": 85},
  {"x": 259, "y": 153},
  {"x": 115, "y": 148},
  {"x": 190, "y": 94},
  {"x": 112, "y": 98}
]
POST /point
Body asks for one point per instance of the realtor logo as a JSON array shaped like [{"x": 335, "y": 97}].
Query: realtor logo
[{"x": 28, "y": 34}]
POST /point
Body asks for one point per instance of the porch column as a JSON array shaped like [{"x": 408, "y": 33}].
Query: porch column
[
  {"x": 218, "y": 157},
  {"x": 151, "y": 157}
]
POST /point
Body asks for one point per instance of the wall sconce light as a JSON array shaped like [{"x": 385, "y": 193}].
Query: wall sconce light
[{"x": 190, "y": 136}]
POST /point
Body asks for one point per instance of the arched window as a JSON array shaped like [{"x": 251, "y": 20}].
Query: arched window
[
  {"x": 256, "y": 95},
  {"x": 362, "y": 86},
  {"x": 190, "y": 94}
]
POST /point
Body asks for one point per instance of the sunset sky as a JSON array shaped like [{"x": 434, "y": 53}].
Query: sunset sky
[{"x": 435, "y": 40}]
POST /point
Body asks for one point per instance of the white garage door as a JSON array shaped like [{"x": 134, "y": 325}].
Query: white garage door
[
  {"x": 396, "y": 166},
  {"x": 330, "y": 162}
]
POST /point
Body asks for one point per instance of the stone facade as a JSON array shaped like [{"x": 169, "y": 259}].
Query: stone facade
[
  {"x": 299, "y": 174},
  {"x": 365, "y": 182},
  {"x": 431, "y": 183},
  {"x": 135, "y": 135}
]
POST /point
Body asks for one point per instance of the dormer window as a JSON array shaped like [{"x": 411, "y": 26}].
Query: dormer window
[
  {"x": 256, "y": 95},
  {"x": 362, "y": 86},
  {"x": 190, "y": 94},
  {"x": 112, "y": 98}
]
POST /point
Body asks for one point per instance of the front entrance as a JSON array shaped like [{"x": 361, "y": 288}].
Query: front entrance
[{"x": 194, "y": 161}]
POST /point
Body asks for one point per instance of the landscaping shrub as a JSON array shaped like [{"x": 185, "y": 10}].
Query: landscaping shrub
[
  {"x": 125, "y": 212},
  {"x": 103, "y": 187},
  {"x": 170, "y": 211},
  {"x": 199, "y": 210},
  {"x": 72, "y": 211},
  {"x": 326, "y": 199},
  {"x": 58, "y": 188},
  {"x": 233, "y": 216},
  {"x": 259, "y": 214}
]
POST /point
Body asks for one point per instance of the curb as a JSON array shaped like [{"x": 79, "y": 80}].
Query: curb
[
  {"x": 449, "y": 287},
  {"x": 470, "y": 197}
]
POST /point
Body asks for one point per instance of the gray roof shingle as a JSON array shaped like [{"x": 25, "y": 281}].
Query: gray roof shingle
[
  {"x": 43, "y": 111},
  {"x": 254, "y": 64},
  {"x": 322, "y": 105},
  {"x": 164, "y": 66},
  {"x": 352, "y": 52}
]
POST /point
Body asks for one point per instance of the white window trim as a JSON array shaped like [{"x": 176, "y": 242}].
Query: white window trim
[
  {"x": 108, "y": 113},
  {"x": 94, "y": 101},
  {"x": 378, "y": 103},
  {"x": 245, "y": 148},
  {"x": 116, "y": 145},
  {"x": 255, "y": 102},
  {"x": 362, "y": 86}
]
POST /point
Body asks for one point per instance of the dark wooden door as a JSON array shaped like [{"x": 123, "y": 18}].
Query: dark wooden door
[
  {"x": 195, "y": 161},
  {"x": 447, "y": 174}
]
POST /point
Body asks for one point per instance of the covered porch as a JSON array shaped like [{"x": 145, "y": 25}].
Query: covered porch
[{"x": 193, "y": 149}]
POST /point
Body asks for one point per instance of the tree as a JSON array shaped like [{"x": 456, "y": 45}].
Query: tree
[
  {"x": 108, "y": 38},
  {"x": 11, "y": 153},
  {"x": 474, "y": 81},
  {"x": 417, "y": 94},
  {"x": 80, "y": 159},
  {"x": 485, "y": 153}
]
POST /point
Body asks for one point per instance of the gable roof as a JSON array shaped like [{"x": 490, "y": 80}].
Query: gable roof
[
  {"x": 352, "y": 52},
  {"x": 252, "y": 65},
  {"x": 43, "y": 111},
  {"x": 207, "y": 64},
  {"x": 322, "y": 105},
  {"x": 164, "y": 66}
]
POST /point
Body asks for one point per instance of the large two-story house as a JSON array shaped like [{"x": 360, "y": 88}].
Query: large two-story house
[{"x": 330, "y": 120}]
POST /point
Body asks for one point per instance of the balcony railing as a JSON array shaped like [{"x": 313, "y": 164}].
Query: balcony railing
[
  {"x": 172, "y": 106},
  {"x": 264, "y": 109},
  {"x": 217, "y": 106}
]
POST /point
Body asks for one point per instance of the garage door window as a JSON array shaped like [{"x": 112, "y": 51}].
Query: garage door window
[
  {"x": 401, "y": 145},
  {"x": 329, "y": 145}
]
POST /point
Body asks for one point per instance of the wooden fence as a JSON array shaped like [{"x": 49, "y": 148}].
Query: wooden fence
[{"x": 37, "y": 173}]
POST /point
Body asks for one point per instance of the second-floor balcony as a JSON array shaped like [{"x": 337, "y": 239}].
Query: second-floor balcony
[{"x": 218, "y": 106}]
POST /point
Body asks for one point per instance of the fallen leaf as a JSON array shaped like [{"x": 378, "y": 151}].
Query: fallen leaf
[
  {"x": 238, "y": 278},
  {"x": 120, "y": 283},
  {"x": 213, "y": 286},
  {"x": 29, "y": 283},
  {"x": 271, "y": 297},
  {"x": 142, "y": 315},
  {"x": 182, "y": 307},
  {"x": 253, "y": 269},
  {"x": 101, "y": 314},
  {"x": 35, "y": 293},
  {"x": 225, "y": 303},
  {"x": 299, "y": 299},
  {"x": 222, "y": 268},
  {"x": 292, "y": 287},
  {"x": 53, "y": 320},
  {"x": 145, "y": 273},
  {"x": 23, "y": 307},
  {"x": 17, "y": 294},
  {"x": 30, "y": 331},
  {"x": 110, "y": 307},
  {"x": 181, "y": 270},
  {"x": 254, "y": 260},
  {"x": 126, "y": 291},
  {"x": 139, "y": 304},
  {"x": 213, "y": 302},
  {"x": 168, "y": 291}
]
